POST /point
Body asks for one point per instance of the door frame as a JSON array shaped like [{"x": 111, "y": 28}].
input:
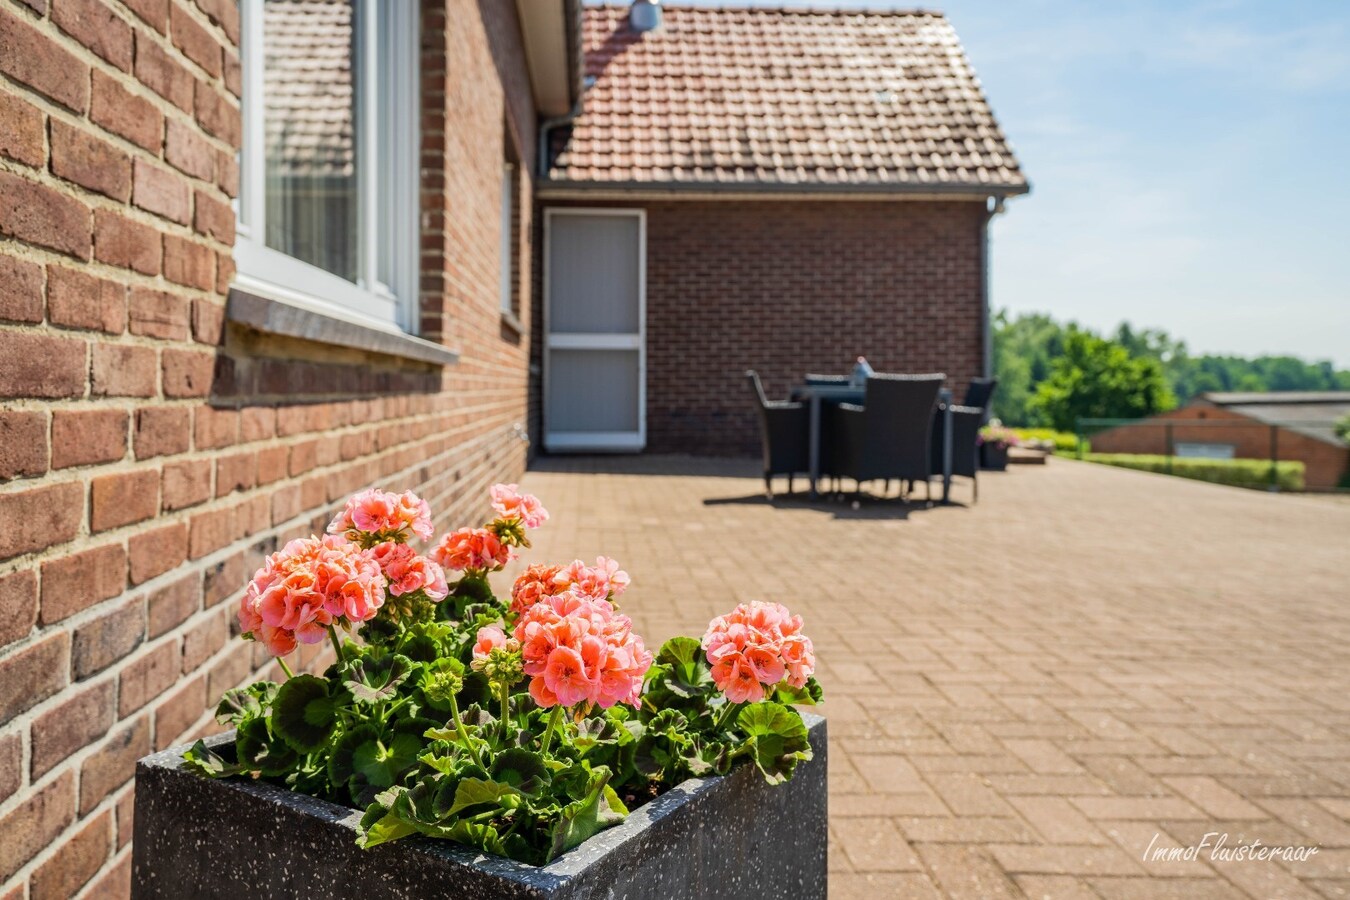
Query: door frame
[{"x": 580, "y": 442}]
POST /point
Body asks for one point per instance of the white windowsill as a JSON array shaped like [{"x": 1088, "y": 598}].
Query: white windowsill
[{"x": 263, "y": 309}]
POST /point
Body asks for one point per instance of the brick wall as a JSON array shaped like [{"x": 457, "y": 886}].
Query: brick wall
[
  {"x": 1325, "y": 464},
  {"x": 150, "y": 452},
  {"x": 789, "y": 287}
]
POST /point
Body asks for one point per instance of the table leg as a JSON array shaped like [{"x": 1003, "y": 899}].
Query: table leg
[
  {"x": 946, "y": 451},
  {"x": 815, "y": 445}
]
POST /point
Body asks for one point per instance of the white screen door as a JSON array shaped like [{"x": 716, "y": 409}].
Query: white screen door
[{"x": 595, "y": 284}]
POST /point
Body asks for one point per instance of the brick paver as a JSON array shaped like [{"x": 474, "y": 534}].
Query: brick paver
[{"x": 1024, "y": 693}]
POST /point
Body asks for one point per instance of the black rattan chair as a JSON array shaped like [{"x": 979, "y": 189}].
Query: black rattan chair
[
  {"x": 889, "y": 436},
  {"x": 784, "y": 434},
  {"x": 966, "y": 422},
  {"x": 979, "y": 392}
]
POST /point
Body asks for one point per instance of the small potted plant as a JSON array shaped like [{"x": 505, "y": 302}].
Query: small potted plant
[
  {"x": 525, "y": 746},
  {"x": 994, "y": 441}
]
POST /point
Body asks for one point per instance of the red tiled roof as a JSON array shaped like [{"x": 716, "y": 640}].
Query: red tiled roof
[
  {"x": 785, "y": 99},
  {"x": 309, "y": 87}
]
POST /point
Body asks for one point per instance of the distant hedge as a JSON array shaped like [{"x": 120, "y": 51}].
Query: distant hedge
[{"x": 1251, "y": 473}]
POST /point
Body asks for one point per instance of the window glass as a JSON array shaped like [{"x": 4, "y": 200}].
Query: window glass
[{"x": 310, "y": 86}]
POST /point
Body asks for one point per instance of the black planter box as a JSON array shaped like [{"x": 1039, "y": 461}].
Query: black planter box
[
  {"x": 994, "y": 457},
  {"x": 717, "y": 837}
]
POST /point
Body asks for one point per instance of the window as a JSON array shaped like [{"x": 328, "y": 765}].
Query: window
[
  {"x": 508, "y": 248},
  {"x": 328, "y": 169},
  {"x": 1199, "y": 450}
]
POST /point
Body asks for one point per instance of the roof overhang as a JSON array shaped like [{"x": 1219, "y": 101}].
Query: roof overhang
[
  {"x": 649, "y": 190},
  {"x": 549, "y": 31}
]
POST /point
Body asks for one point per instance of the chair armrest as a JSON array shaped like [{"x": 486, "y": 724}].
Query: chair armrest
[{"x": 849, "y": 407}]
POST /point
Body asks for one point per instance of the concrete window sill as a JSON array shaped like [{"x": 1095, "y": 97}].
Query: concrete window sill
[
  {"x": 274, "y": 317},
  {"x": 510, "y": 320}
]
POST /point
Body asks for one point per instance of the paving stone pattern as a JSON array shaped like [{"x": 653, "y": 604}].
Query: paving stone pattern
[{"x": 1022, "y": 694}]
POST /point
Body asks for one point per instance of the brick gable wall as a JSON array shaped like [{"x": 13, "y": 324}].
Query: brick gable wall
[
  {"x": 789, "y": 287},
  {"x": 150, "y": 452}
]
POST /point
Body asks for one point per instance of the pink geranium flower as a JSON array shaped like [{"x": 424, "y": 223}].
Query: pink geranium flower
[
  {"x": 578, "y": 651},
  {"x": 510, "y": 503},
  {"x": 385, "y": 515},
  {"x": 310, "y": 584},
  {"x": 472, "y": 550},
  {"x": 602, "y": 581},
  {"x": 489, "y": 638},
  {"x": 407, "y": 571},
  {"x": 756, "y": 646},
  {"x": 618, "y": 578},
  {"x": 533, "y": 585}
]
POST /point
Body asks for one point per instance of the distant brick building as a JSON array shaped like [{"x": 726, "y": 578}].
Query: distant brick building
[
  {"x": 797, "y": 187},
  {"x": 1296, "y": 425},
  {"x": 246, "y": 270}
]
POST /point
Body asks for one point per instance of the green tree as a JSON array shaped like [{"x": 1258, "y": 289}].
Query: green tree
[
  {"x": 1026, "y": 346},
  {"x": 1097, "y": 378}
]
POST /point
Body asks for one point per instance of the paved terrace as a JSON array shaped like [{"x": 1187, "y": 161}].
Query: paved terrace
[{"x": 1024, "y": 693}]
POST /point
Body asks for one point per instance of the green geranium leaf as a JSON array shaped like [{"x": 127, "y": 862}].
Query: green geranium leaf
[
  {"x": 372, "y": 680},
  {"x": 380, "y": 763},
  {"x": 380, "y": 824},
  {"x": 473, "y": 792},
  {"x": 245, "y": 703},
  {"x": 808, "y": 694},
  {"x": 258, "y": 750},
  {"x": 342, "y": 755},
  {"x": 521, "y": 769},
  {"x": 484, "y": 837},
  {"x": 204, "y": 761},
  {"x": 686, "y": 666},
  {"x": 581, "y": 819},
  {"x": 303, "y": 713},
  {"x": 776, "y": 738}
]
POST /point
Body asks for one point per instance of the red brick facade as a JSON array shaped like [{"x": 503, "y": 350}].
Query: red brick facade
[
  {"x": 150, "y": 451},
  {"x": 792, "y": 286},
  {"x": 1325, "y": 464}
]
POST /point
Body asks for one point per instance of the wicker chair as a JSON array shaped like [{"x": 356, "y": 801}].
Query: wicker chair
[
  {"x": 784, "y": 434},
  {"x": 889, "y": 436},
  {"x": 979, "y": 392},
  {"x": 966, "y": 422}
]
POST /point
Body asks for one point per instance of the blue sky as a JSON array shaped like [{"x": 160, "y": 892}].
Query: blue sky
[{"x": 1190, "y": 165}]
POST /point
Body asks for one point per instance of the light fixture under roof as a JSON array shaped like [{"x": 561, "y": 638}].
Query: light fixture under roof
[{"x": 644, "y": 15}]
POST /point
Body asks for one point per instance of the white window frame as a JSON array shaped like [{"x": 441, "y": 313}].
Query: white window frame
[
  {"x": 508, "y": 250},
  {"x": 388, "y": 110}
]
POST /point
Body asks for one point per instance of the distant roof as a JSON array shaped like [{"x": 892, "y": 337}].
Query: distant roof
[
  {"x": 1313, "y": 413},
  {"x": 782, "y": 99},
  {"x": 308, "y": 88}
]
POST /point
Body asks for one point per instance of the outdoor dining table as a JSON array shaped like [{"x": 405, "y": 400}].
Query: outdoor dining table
[{"x": 816, "y": 394}]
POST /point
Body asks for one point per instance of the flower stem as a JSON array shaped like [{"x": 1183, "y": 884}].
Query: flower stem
[
  {"x": 727, "y": 712},
  {"x": 285, "y": 668},
  {"x": 464, "y": 734},
  {"x": 503, "y": 692},
  {"x": 554, "y": 718},
  {"x": 337, "y": 645}
]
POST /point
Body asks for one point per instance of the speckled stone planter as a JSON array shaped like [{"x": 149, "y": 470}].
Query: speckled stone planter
[
  {"x": 716, "y": 837},
  {"x": 994, "y": 457}
]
